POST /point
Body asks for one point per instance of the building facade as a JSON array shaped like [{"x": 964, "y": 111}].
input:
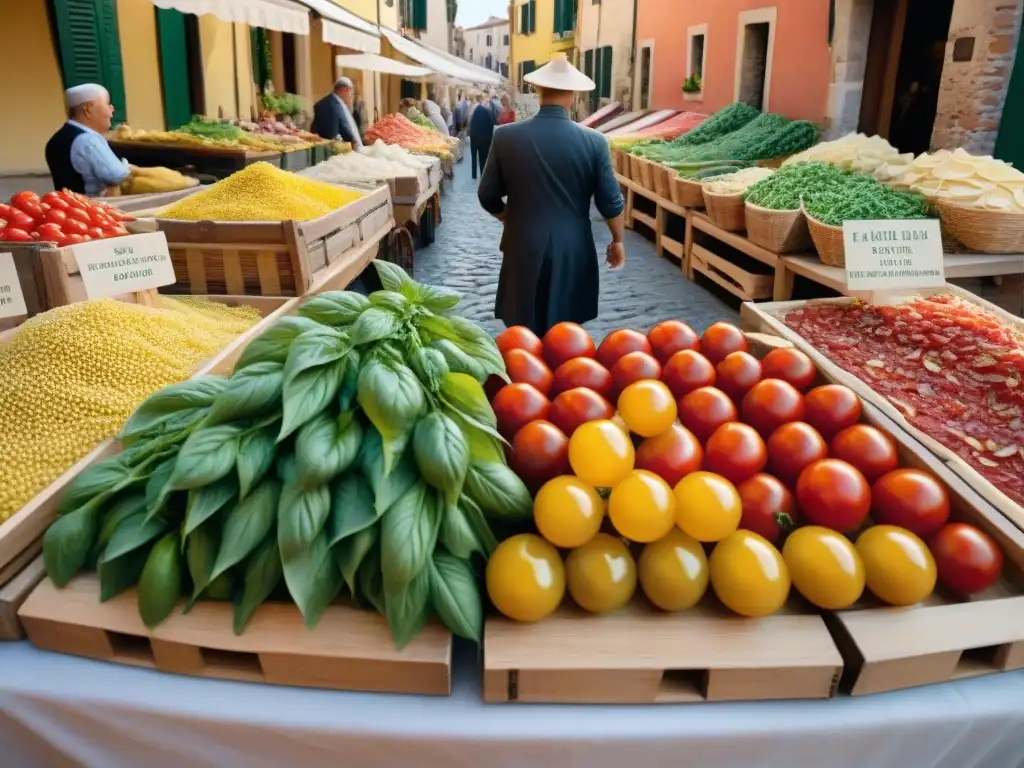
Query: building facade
[
  {"x": 540, "y": 28},
  {"x": 604, "y": 42},
  {"x": 487, "y": 45}
]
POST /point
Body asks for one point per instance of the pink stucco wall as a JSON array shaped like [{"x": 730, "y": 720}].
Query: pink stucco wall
[{"x": 800, "y": 60}]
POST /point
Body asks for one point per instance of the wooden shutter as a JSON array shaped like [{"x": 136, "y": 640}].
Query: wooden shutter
[
  {"x": 90, "y": 49},
  {"x": 559, "y": 16},
  {"x": 605, "y": 67},
  {"x": 533, "y": 15},
  {"x": 588, "y": 63},
  {"x": 419, "y": 15},
  {"x": 524, "y": 19},
  {"x": 174, "y": 67}
]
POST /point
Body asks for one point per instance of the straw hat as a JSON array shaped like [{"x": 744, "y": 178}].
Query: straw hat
[{"x": 559, "y": 75}]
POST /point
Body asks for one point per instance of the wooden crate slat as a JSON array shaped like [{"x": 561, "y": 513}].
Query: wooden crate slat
[{"x": 13, "y": 595}]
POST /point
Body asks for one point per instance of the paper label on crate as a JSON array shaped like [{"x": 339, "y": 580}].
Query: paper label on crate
[
  {"x": 893, "y": 254},
  {"x": 124, "y": 264},
  {"x": 12, "y": 300}
]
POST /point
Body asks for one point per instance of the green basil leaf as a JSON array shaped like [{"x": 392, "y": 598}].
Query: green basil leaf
[
  {"x": 394, "y": 278},
  {"x": 205, "y": 502},
  {"x": 350, "y": 552},
  {"x": 301, "y": 516},
  {"x": 273, "y": 345},
  {"x": 440, "y": 328},
  {"x": 326, "y": 446},
  {"x": 220, "y": 588},
  {"x": 352, "y": 507},
  {"x": 387, "y": 486},
  {"x": 99, "y": 480},
  {"x": 371, "y": 581},
  {"x": 121, "y": 573},
  {"x": 466, "y": 395},
  {"x": 201, "y": 556},
  {"x": 373, "y": 325},
  {"x": 252, "y": 391},
  {"x": 335, "y": 308},
  {"x": 458, "y": 361},
  {"x": 67, "y": 542},
  {"x": 287, "y": 468},
  {"x": 455, "y": 593},
  {"x": 247, "y": 525},
  {"x": 313, "y": 349},
  {"x": 133, "y": 532},
  {"x": 430, "y": 367},
  {"x": 387, "y": 353},
  {"x": 350, "y": 384},
  {"x": 476, "y": 520},
  {"x": 442, "y": 453},
  {"x": 407, "y": 607},
  {"x": 256, "y": 451},
  {"x": 484, "y": 443},
  {"x": 457, "y": 534},
  {"x": 207, "y": 455},
  {"x": 170, "y": 401},
  {"x": 408, "y": 534},
  {"x": 262, "y": 575},
  {"x": 392, "y": 301},
  {"x": 123, "y": 508},
  {"x": 160, "y": 581},
  {"x": 499, "y": 491},
  {"x": 313, "y": 578},
  {"x": 309, "y": 393},
  {"x": 438, "y": 299},
  {"x": 391, "y": 398},
  {"x": 158, "y": 487}
]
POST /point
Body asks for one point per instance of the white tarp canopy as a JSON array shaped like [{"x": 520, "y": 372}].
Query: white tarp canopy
[
  {"x": 452, "y": 67},
  {"x": 344, "y": 28},
  {"x": 374, "y": 63},
  {"x": 279, "y": 15}
]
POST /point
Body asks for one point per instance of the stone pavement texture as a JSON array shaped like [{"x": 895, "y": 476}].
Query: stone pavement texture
[{"x": 649, "y": 289}]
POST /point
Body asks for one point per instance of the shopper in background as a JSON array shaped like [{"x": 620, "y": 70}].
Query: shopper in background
[
  {"x": 481, "y": 130},
  {"x": 508, "y": 115},
  {"x": 433, "y": 112},
  {"x": 332, "y": 115},
  {"x": 461, "y": 114},
  {"x": 495, "y": 106}
]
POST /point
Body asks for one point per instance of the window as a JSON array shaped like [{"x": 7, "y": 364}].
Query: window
[
  {"x": 487, "y": 61},
  {"x": 644, "y": 87},
  {"x": 414, "y": 14},
  {"x": 597, "y": 65},
  {"x": 754, "y": 43},
  {"x": 565, "y": 16},
  {"x": 695, "y": 61},
  {"x": 528, "y": 17},
  {"x": 525, "y": 68},
  {"x": 90, "y": 48},
  {"x": 504, "y": 67},
  {"x": 489, "y": 43}
]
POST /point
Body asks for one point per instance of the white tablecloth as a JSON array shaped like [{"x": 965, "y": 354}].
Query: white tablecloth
[{"x": 59, "y": 710}]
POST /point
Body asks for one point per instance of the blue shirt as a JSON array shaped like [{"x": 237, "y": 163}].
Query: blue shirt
[{"x": 92, "y": 157}]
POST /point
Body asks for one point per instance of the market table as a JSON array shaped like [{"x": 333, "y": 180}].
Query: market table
[{"x": 55, "y": 710}]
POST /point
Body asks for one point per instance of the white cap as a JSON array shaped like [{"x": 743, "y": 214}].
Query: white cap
[
  {"x": 83, "y": 94},
  {"x": 559, "y": 75},
  {"x": 342, "y": 82}
]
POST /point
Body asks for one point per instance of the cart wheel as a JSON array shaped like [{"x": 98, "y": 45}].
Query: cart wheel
[
  {"x": 405, "y": 250},
  {"x": 437, "y": 210},
  {"x": 427, "y": 227}
]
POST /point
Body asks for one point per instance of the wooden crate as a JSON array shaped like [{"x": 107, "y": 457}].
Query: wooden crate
[
  {"x": 748, "y": 286},
  {"x": 13, "y": 595},
  {"x": 412, "y": 213},
  {"x": 296, "y": 159},
  {"x": 406, "y": 190},
  {"x": 134, "y": 203},
  {"x": 219, "y": 162}
]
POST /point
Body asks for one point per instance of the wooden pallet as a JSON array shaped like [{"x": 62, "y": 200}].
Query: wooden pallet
[
  {"x": 745, "y": 285},
  {"x": 348, "y": 649}
]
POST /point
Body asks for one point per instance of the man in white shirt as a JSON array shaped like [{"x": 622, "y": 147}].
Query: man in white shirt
[{"x": 78, "y": 155}]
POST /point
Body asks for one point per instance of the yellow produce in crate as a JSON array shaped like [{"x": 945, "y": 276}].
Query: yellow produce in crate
[{"x": 146, "y": 181}]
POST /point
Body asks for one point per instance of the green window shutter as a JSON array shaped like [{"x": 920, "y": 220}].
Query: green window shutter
[
  {"x": 174, "y": 67},
  {"x": 559, "y": 20},
  {"x": 588, "y": 64},
  {"x": 533, "y": 15},
  {"x": 90, "y": 49},
  {"x": 605, "y": 81},
  {"x": 524, "y": 19},
  {"x": 419, "y": 14}
]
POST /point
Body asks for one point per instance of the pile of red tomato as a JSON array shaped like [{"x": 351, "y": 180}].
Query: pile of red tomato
[
  {"x": 63, "y": 218},
  {"x": 732, "y": 472}
]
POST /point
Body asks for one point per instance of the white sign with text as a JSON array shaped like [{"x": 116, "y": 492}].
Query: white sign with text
[
  {"x": 124, "y": 264},
  {"x": 12, "y": 300},
  {"x": 893, "y": 254}
]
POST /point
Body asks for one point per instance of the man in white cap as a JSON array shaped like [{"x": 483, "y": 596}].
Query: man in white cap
[
  {"x": 79, "y": 157},
  {"x": 540, "y": 177},
  {"x": 332, "y": 115}
]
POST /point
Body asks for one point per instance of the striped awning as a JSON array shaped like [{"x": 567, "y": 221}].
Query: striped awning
[{"x": 279, "y": 15}]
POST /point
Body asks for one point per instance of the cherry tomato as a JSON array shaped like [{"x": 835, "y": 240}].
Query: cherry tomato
[
  {"x": 519, "y": 337},
  {"x": 670, "y": 337},
  {"x": 911, "y": 499},
  {"x": 749, "y": 575},
  {"x": 967, "y": 559},
  {"x": 115, "y": 231},
  {"x": 648, "y": 408},
  {"x": 870, "y": 450},
  {"x": 576, "y": 407},
  {"x": 898, "y": 567},
  {"x": 737, "y": 373},
  {"x": 824, "y": 566},
  {"x": 642, "y": 507},
  {"x": 792, "y": 447},
  {"x": 26, "y": 197},
  {"x": 708, "y": 507},
  {"x": 566, "y": 341},
  {"x": 100, "y": 217},
  {"x": 516, "y": 405},
  {"x": 20, "y": 220},
  {"x": 74, "y": 226},
  {"x": 673, "y": 571},
  {"x": 831, "y": 408},
  {"x": 768, "y": 506},
  {"x": 686, "y": 371},
  {"x": 671, "y": 455},
  {"x": 96, "y": 233},
  {"x": 55, "y": 201},
  {"x": 526, "y": 368},
  {"x": 632, "y": 367},
  {"x": 568, "y": 512},
  {"x": 619, "y": 343},
  {"x": 790, "y": 365},
  {"x": 56, "y": 216},
  {"x": 833, "y": 494},
  {"x": 770, "y": 404},
  {"x": 582, "y": 372},
  {"x": 735, "y": 451},
  {"x": 6, "y": 210},
  {"x": 525, "y": 578},
  {"x": 601, "y": 454},
  {"x": 81, "y": 215},
  {"x": 601, "y": 574},
  {"x": 73, "y": 239},
  {"x": 50, "y": 232},
  {"x": 720, "y": 339},
  {"x": 15, "y": 235},
  {"x": 706, "y": 409},
  {"x": 540, "y": 452}
]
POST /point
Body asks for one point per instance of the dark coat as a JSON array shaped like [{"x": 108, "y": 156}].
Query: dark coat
[
  {"x": 329, "y": 119},
  {"x": 481, "y": 125},
  {"x": 549, "y": 169}
]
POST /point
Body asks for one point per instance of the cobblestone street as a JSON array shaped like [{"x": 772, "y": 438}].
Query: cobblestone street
[{"x": 465, "y": 258}]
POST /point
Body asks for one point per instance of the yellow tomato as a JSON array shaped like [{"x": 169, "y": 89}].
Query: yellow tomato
[
  {"x": 601, "y": 575},
  {"x": 647, "y": 407},
  {"x": 600, "y": 453},
  {"x": 899, "y": 568},
  {"x": 568, "y": 512},
  {"x": 824, "y": 566},
  {"x": 708, "y": 507},
  {"x": 748, "y": 574},
  {"x": 642, "y": 507},
  {"x": 525, "y": 578},
  {"x": 674, "y": 571}
]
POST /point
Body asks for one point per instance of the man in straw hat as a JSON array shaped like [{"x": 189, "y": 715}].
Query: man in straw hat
[
  {"x": 79, "y": 157},
  {"x": 540, "y": 177}
]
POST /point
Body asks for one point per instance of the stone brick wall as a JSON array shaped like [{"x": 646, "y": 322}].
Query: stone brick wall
[{"x": 849, "y": 57}]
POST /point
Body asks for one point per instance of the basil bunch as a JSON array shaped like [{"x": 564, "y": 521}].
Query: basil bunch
[{"x": 352, "y": 450}]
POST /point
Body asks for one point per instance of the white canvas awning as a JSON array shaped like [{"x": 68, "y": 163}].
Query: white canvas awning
[
  {"x": 374, "y": 63},
  {"x": 442, "y": 63},
  {"x": 344, "y": 28},
  {"x": 279, "y": 15}
]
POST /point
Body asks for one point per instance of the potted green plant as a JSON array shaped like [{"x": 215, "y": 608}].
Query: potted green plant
[{"x": 693, "y": 87}]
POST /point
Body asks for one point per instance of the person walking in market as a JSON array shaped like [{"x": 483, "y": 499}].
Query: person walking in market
[
  {"x": 481, "y": 130},
  {"x": 540, "y": 177},
  {"x": 508, "y": 115}
]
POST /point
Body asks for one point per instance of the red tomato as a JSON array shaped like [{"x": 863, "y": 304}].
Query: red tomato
[
  {"x": 96, "y": 233},
  {"x": 671, "y": 455},
  {"x": 517, "y": 405},
  {"x": 833, "y": 494},
  {"x": 56, "y": 216},
  {"x": 578, "y": 406},
  {"x": 117, "y": 231},
  {"x": 768, "y": 506},
  {"x": 527, "y": 368},
  {"x": 720, "y": 339},
  {"x": 51, "y": 233},
  {"x": 911, "y": 499},
  {"x": 55, "y": 201},
  {"x": 790, "y": 365},
  {"x": 735, "y": 451},
  {"x": 564, "y": 342},
  {"x": 582, "y": 372},
  {"x": 670, "y": 337},
  {"x": 540, "y": 452},
  {"x": 686, "y": 371},
  {"x": 81, "y": 215},
  {"x": 870, "y": 450},
  {"x": 792, "y": 447},
  {"x": 967, "y": 559},
  {"x": 25, "y": 197},
  {"x": 100, "y": 216},
  {"x": 75, "y": 226},
  {"x": 73, "y": 239},
  {"x": 15, "y": 235},
  {"x": 831, "y": 408},
  {"x": 706, "y": 409},
  {"x": 632, "y": 367},
  {"x": 770, "y": 404},
  {"x": 5, "y": 211},
  {"x": 619, "y": 343},
  {"x": 737, "y": 374},
  {"x": 20, "y": 220}
]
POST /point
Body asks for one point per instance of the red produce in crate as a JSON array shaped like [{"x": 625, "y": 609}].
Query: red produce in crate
[
  {"x": 582, "y": 372},
  {"x": 516, "y": 405},
  {"x": 619, "y": 343},
  {"x": 670, "y": 337}
]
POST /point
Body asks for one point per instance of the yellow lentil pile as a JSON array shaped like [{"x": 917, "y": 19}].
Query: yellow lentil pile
[
  {"x": 70, "y": 378},
  {"x": 261, "y": 192}
]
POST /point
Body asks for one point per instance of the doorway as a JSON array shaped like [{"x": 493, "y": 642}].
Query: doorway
[{"x": 754, "y": 63}]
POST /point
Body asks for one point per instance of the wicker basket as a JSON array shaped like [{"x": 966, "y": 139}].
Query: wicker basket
[
  {"x": 828, "y": 241},
  {"x": 777, "y": 231},
  {"x": 646, "y": 174},
  {"x": 775, "y": 162},
  {"x": 661, "y": 183},
  {"x": 983, "y": 231},
  {"x": 685, "y": 192},
  {"x": 726, "y": 211}
]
